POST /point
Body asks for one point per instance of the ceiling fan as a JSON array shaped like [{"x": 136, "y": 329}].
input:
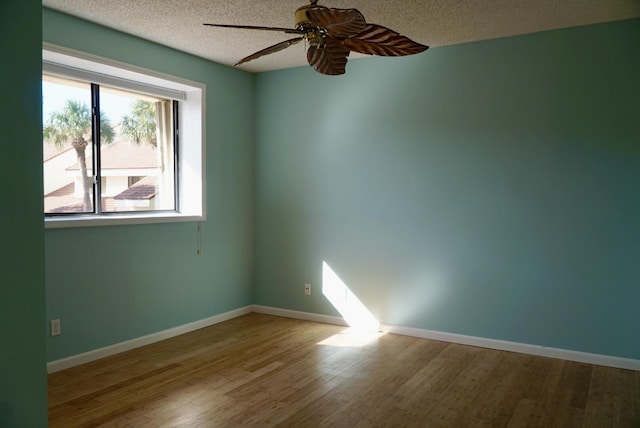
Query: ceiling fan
[{"x": 332, "y": 34}]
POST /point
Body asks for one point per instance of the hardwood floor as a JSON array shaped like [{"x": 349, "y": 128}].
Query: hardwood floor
[{"x": 261, "y": 370}]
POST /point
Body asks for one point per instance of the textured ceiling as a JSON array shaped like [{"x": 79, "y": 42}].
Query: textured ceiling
[{"x": 178, "y": 23}]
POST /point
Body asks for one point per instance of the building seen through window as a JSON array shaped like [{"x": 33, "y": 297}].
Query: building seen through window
[{"x": 106, "y": 144}]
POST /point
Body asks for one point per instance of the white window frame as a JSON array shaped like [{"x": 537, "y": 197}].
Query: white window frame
[{"x": 69, "y": 63}]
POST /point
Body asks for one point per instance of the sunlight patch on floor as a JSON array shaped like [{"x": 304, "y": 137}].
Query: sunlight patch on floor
[{"x": 352, "y": 339}]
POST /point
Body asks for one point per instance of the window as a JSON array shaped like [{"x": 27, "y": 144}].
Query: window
[
  {"x": 120, "y": 144},
  {"x": 126, "y": 160}
]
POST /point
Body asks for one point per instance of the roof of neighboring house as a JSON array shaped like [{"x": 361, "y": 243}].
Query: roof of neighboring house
[
  {"x": 62, "y": 200},
  {"x": 143, "y": 189},
  {"x": 124, "y": 155},
  {"x": 50, "y": 150}
]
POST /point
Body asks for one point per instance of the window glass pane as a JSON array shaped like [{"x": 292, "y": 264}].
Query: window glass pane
[
  {"x": 67, "y": 155},
  {"x": 136, "y": 153}
]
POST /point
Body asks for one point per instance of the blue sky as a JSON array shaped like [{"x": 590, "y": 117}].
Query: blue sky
[{"x": 55, "y": 95}]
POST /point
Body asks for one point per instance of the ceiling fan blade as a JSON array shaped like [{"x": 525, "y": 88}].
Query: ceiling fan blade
[
  {"x": 378, "y": 40},
  {"x": 271, "y": 49},
  {"x": 252, "y": 27},
  {"x": 340, "y": 23},
  {"x": 331, "y": 58}
]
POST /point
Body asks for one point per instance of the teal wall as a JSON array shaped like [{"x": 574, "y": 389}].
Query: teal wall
[
  {"x": 486, "y": 189},
  {"x": 23, "y": 383},
  {"x": 110, "y": 284},
  {"x": 490, "y": 189}
]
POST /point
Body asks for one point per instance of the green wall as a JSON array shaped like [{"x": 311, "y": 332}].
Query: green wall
[
  {"x": 110, "y": 284},
  {"x": 23, "y": 393},
  {"x": 488, "y": 189}
]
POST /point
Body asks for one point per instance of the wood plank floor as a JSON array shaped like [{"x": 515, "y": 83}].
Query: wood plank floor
[{"x": 261, "y": 370}]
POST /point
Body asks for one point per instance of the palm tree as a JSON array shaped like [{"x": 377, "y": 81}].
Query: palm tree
[
  {"x": 150, "y": 122},
  {"x": 141, "y": 124},
  {"x": 71, "y": 124}
]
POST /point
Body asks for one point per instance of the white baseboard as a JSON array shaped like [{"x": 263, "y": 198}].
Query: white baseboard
[
  {"x": 307, "y": 316},
  {"x": 96, "y": 354},
  {"x": 522, "y": 348}
]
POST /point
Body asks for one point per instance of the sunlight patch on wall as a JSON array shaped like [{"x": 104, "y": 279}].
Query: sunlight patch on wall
[{"x": 350, "y": 307}]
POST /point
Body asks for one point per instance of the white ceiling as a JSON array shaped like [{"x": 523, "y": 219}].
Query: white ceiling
[{"x": 178, "y": 23}]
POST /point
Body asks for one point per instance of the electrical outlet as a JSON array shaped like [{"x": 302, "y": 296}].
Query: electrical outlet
[
  {"x": 55, "y": 327},
  {"x": 307, "y": 289}
]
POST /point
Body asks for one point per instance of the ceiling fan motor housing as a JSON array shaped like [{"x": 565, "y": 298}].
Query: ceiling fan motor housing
[
  {"x": 302, "y": 19},
  {"x": 312, "y": 33}
]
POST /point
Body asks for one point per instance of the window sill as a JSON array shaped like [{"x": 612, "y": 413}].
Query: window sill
[{"x": 118, "y": 220}]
